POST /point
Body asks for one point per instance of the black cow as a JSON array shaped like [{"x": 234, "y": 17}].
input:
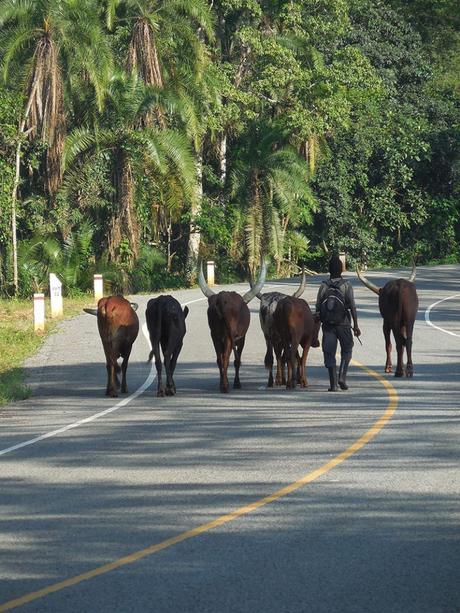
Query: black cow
[
  {"x": 228, "y": 319},
  {"x": 166, "y": 325},
  {"x": 118, "y": 328},
  {"x": 398, "y": 304}
]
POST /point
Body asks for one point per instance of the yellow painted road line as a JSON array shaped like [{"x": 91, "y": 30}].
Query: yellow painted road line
[{"x": 224, "y": 519}]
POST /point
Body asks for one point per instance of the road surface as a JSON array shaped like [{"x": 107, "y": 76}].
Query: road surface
[{"x": 260, "y": 500}]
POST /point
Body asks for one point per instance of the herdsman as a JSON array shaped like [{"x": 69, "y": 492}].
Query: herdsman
[{"x": 334, "y": 303}]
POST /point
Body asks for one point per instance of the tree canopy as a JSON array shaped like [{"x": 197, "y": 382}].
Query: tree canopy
[{"x": 138, "y": 135}]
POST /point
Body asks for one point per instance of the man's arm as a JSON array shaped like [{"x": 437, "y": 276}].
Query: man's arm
[
  {"x": 319, "y": 298},
  {"x": 354, "y": 314}
]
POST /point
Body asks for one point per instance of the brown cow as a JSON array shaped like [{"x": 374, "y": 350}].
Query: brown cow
[
  {"x": 118, "y": 328},
  {"x": 295, "y": 325},
  {"x": 228, "y": 319},
  {"x": 398, "y": 304},
  {"x": 268, "y": 304}
]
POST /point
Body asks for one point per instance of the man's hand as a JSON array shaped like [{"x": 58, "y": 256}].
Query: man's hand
[{"x": 356, "y": 331}]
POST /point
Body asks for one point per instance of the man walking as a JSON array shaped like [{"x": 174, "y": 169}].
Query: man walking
[{"x": 334, "y": 303}]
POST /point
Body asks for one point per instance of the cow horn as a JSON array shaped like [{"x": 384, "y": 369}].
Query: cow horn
[
  {"x": 367, "y": 283},
  {"x": 414, "y": 271},
  {"x": 91, "y": 311},
  {"x": 251, "y": 283},
  {"x": 134, "y": 306},
  {"x": 248, "y": 296},
  {"x": 301, "y": 288},
  {"x": 207, "y": 291}
]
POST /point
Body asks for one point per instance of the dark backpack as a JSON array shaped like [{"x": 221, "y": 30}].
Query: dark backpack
[{"x": 332, "y": 309}]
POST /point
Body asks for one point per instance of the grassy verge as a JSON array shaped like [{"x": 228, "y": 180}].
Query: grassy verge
[{"x": 18, "y": 341}]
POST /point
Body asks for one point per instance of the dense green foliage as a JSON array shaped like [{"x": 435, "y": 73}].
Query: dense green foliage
[{"x": 152, "y": 131}]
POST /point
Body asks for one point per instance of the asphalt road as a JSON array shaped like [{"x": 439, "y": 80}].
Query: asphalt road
[{"x": 375, "y": 530}]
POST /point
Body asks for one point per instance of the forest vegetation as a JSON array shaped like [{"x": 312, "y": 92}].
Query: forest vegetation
[{"x": 139, "y": 135}]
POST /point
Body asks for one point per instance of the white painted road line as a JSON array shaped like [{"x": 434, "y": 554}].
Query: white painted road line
[
  {"x": 140, "y": 390},
  {"x": 431, "y": 307}
]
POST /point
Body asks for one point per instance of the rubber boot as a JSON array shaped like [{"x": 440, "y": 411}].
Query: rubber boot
[
  {"x": 343, "y": 373},
  {"x": 333, "y": 379}
]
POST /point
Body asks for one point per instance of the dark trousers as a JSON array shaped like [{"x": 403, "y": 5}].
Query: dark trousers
[{"x": 332, "y": 335}]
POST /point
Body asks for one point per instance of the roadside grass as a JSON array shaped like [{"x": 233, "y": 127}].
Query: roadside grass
[{"x": 18, "y": 341}]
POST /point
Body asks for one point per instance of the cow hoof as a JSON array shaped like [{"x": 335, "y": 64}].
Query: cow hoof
[
  {"x": 388, "y": 369},
  {"x": 169, "y": 391},
  {"x": 160, "y": 393},
  {"x": 124, "y": 390},
  {"x": 315, "y": 344},
  {"x": 112, "y": 394},
  {"x": 224, "y": 390},
  {"x": 409, "y": 374},
  {"x": 399, "y": 373},
  {"x": 237, "y": 386}
]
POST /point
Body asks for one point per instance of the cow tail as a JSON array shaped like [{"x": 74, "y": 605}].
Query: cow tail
[
  {"x": 403, "y": 326},
  {"x": 158, "y": 329}
]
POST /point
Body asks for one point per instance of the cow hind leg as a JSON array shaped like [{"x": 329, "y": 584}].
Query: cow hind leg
[
  {"x": 175, "y": 355},
  {"x": 409, "y": 366},
  {"x": 268, "y": 362},
  {"x": 124, "y": 368},
  {"x": 388, "y": 347},
  {"x": 280, "y": 379},
  {"x": 291, "y": 358},
  {"x": 158, "y": 366},
  {"x": 400, "y": 352},
  {"x": 112, "y": 387},
  {"x": 302, "y": 366},
  {"x": 239, "y": 346},
  {"x": 225, "y": 360}
]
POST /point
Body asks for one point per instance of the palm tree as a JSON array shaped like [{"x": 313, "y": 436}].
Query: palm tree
[
  {"x": 133, "y": 150},
  {"x": 41, "y": 41},
  {"x": 270, "y": 176},
  {"x": 167, "y": 50},
  {"x": 165, "y": 44}
]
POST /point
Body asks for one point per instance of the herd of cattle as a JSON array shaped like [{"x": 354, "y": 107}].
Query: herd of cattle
[{"x": 287, "y": 322}]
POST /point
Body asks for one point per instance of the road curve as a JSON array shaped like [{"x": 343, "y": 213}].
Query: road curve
[{"x": 377, "y": 531}]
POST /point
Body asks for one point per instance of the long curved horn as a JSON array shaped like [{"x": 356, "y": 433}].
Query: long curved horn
[
  {"x": 248, "y": 296},
  {"x": 207, "y": 291},
  {"x": 414, "y": 271},
  {"x": 301, "y": 288},
  {"x": 367, "y": 283},
  {"x": 91, "y": 311},
  {"x": 134, "y": 306},
  {"x": 251, "y": 283}
]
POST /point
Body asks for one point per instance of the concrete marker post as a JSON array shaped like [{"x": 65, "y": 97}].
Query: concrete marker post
[
  {"x": 98, "y": 287},
  {"x": 343, "y": 259},
  {"x": 39, "y": 313},
  {"x": 55, "y": 296},
  {"x": 210, "y": 273}
]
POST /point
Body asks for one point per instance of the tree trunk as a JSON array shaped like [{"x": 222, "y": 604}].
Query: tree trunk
[
  {"x": 124, "y": 223},
  {"x": 14, "y": 198},
  {"x": 312, "y": 153},
  {"x": 14, "y": 195},
  {"x": 195, "y": 236},
  {"x": 223, "y": 159}
]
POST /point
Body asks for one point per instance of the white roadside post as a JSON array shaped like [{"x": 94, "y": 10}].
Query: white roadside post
[
  {"x": 55, "y": 296},
  {"x": 39, "y": 312},
  {"x": 343, "y": 259},
  {"x": 98, "y": 287},
  {"x": 210, "y": 272}
]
